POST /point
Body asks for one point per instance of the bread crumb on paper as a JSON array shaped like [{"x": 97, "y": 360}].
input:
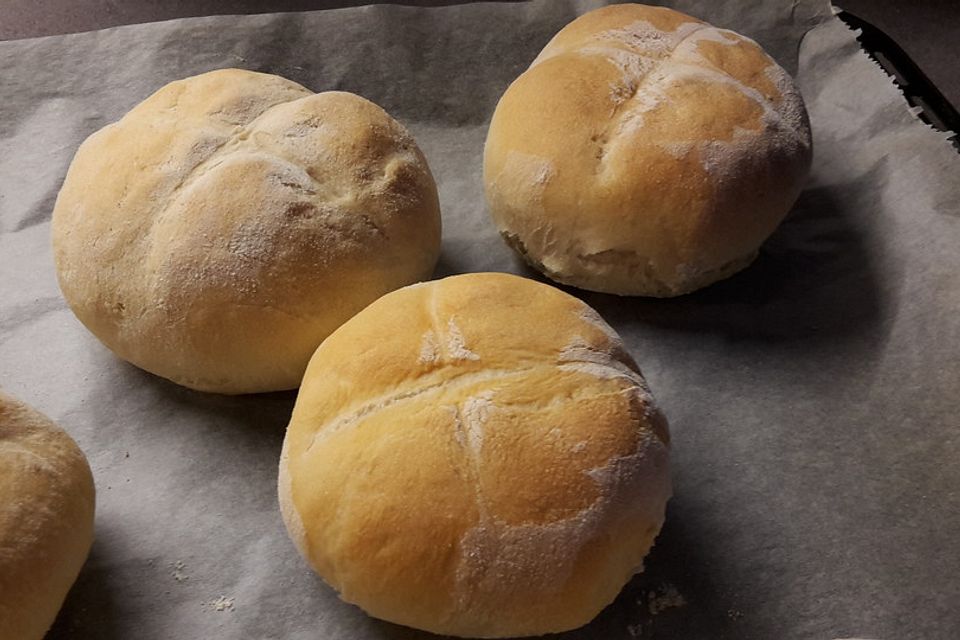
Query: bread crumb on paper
[
  {"x": 666, "y": 597},
  {"x": 178, "y": 573},
  {"x": 222, "y": 603},
  {"x": 652, "y": 603}
]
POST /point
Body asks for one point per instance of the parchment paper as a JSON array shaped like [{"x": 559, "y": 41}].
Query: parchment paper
[{"x": 813, "y": 398}]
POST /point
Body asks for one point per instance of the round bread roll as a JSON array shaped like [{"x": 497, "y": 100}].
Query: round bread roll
[
  {"x": 46, "y": 519},
  {"x": 645, "y": 152},
  {"x": 225, "y": 226},
  {"x": 476, "y": 456}
]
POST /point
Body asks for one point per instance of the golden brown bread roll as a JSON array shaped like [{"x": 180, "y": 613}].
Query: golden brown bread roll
[
  {"x": 476, "y": 456},
  {"x": 227, "y": 224},
  {"x": 645, "y": 152},
  {"x": 46, "y": 519}
]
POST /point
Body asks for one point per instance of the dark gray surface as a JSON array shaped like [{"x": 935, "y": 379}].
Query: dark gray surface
[
  {"x": 812, "y": 398},
  {"x": 929, "y": 30}
]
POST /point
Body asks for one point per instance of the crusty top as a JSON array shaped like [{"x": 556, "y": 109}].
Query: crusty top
[
  {"x": 227, "y": 224},
  {"x": 46, "y": 518},
  {"x": 476, "y": 456},
  {"x": 645, "y": 149}
]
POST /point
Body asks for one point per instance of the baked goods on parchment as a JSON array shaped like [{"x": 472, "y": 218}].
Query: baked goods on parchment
[
  {"x": 490, "y": 463},
  {"x": 46, "y": 519},
  {"x": 226, "y": 225},
  {"x": 645, "y": 152}
]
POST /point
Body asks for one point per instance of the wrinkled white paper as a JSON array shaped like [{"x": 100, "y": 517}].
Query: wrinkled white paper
[{"x": 814, "y": 399}]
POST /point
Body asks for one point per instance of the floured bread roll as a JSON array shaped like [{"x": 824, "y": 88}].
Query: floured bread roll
[
  {"x": 46, "y": 519},
  {"x": 225, "y": 226},
  {"x": 476, "y": 456},
  {"x": 645, "y": 153}
]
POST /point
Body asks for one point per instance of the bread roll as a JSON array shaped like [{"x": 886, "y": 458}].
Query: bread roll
[
  {"x": 476, "y": 456},
  {"x": 46, "y": 519},
  {"x": 645, "y": 152},
  {"x": 223, "y": 228}
]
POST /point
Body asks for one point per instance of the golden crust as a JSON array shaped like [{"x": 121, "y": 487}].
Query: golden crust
[
  {"x": 227, "y": 224},
  {"x": 46, "y": 519},
  {"x": 457, "y": 464},
  {"x": 645, "y": 153}
]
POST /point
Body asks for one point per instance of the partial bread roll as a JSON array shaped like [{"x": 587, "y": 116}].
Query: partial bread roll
[
  {"x": 46, "y": 519},
  {"x": 645, "y": 152},
  {"x": 223, "y": 228},
  {"x": 476, "y": 456}
]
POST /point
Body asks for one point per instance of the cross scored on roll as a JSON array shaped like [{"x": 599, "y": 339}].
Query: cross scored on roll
[
  {"x": 470, "y": 468},
  {"x": 645, "y": 152},
  {"x": 223, "y": 228}
]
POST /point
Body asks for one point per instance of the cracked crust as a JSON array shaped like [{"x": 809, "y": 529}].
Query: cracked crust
[
  {"x": 510, "y": 493},
  {"x": 681, "y": 148},
  {"x": 46, "y": 519},
  {"x": 227, "y": 224}
]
